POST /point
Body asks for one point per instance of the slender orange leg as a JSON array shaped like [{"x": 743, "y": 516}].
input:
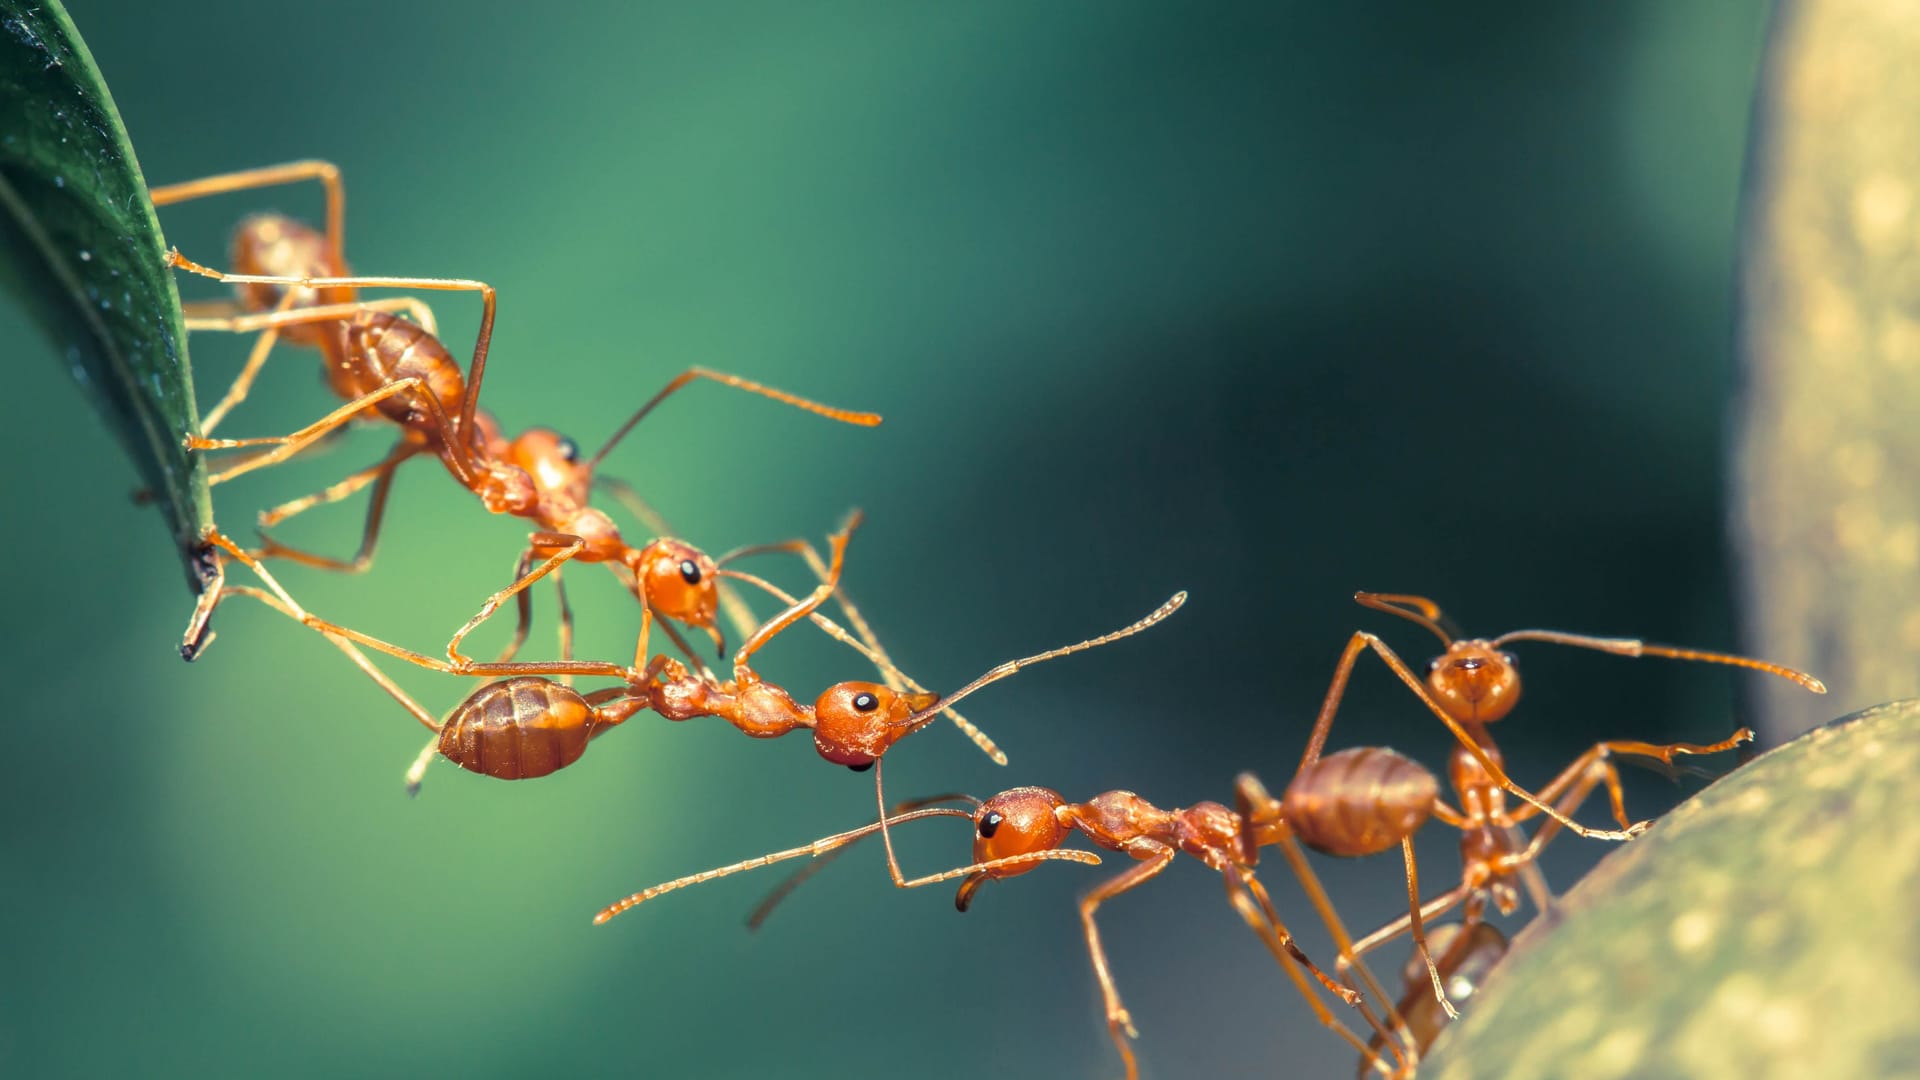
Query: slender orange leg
[
  {"x": 359, "y": 658},
  {"x": 830, "y": 843},
  {"x": 1360, "y": 643},
  {"x": 1260, "y": 811},
  {"x": 243, "y": 382},
  {"x": 1119, "y": 1021},
  {"x": 569, "y": 547},
  {"x": 801, "y": 876},
  {"x": 270, "y": 334},
  {"x": 236, "y": 322},
  {"x": 845, "y": 416},
  {"x": 286, "y": 446},
  {"x": 334, "y": 493},
  {"x": 1594, "y": 763},
  {"x": 326, "y": 172},
  {"x": 382, "y": 476},
  {"x": 1284, "y": 953},
  {"x": 476, "y": 370}
]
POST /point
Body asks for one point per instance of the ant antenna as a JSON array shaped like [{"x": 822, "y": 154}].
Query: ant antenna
[
  {"x": 805, "y": 873},
  {"x": 1414, "y": 609},
  {"x": 921, "y": 718},
  {"x": 1636, "y": 648},
  {"x": 878, "y": 659},
  {"x": 818, "y": 847},
  {"x": 845, "y": 416}
]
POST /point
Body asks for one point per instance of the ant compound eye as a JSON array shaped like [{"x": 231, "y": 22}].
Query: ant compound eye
[
  {"x": 862, "y": 767},
  {"x": 689, "y": 571},
  {"x": 569, "y": 450},
  {"x": 865, "y": 702},
  {"x": 990, "y": 823},
  {"x": 1433, "y": 664},
  {"x": 1512, "y": 661}
]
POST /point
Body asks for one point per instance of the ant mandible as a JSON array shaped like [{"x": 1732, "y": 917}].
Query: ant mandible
[{"x": 1476, "y": 682}]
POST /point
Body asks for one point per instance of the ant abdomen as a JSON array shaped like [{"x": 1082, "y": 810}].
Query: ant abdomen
[
  {"x": 274, "y": 245},
  {"x": 1359, "y": 801},
  {"x": 394, "y": 348},
  {"x": 518, "y": 729}
]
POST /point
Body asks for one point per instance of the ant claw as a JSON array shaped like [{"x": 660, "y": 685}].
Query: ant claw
[{"x": 1637, "y": 828}]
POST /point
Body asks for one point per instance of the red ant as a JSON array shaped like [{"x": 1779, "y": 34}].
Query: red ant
[
  {"x": 1017, "y": 829},
  {"x": 1477, "y": 682},
  {"x": 388, "y": 367},
  {"x": 1355, "y": 802},
  {"x": 527, "y": 726}
]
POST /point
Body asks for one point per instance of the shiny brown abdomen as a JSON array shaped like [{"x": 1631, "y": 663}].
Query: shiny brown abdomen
[
  {"x": 278, "y": 246},
  {"x": 1359, "y": 801},
  {"x": 518, "y": 729},
  {"x": 386, "y": 348}
]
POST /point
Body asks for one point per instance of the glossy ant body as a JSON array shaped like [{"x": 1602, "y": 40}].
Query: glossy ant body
[
  {"x": 1380, "y": 797},
  {"x": 388, "y": 367},
  {"x": 1476, "y": 682},
  {"x": 1356, "y": 802},
  {"x": 530, "y": 726}
]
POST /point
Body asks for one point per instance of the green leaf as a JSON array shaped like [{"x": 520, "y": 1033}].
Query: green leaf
[
  {"x": 81, "y": 248},
  {"x": 1764, "y": 929}
]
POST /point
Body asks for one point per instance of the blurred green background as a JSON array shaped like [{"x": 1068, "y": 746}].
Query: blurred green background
[{"x": 1268, "y": 302}]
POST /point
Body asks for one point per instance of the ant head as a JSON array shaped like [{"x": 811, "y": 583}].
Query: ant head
[
  {"x": 506, "y": 489},
  {"x": 1017, "y": 822},
  {"x": 1474, "y": 681},
  {"x": 679, "y": 581},
  {"x": 855, "y": 722},
  {"x": 555, "y": 464}
]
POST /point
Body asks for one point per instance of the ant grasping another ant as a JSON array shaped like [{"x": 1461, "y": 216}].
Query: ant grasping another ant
[
  {"x": 1353, "y": 803},
  {"x": 1476, "y": 682},
  {"x": 1017, "y": 829},
  {"x": 527, "y": 727},
  {"x": 390, "y": 368}
]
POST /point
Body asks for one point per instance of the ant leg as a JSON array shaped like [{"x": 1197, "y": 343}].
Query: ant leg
[
  {"x": 476, "y": 369},
  {"x": 569, "y": 547},
  {"x": 523, "y": 604},
  {"x": 382, "y": 476},
  {"x": 230, "y": 320},
  {"x": 780, "y": 622},
  {"x": 1433, "y": 908},
  {"x": 1359, "y": 643},
  {"x": 243, "y": 382},
  {"x": 1594, "y": 765},
  {"x": 1281, "y": 945},
  {"x": 845, "y": 416},
  {"x": 326, "y": 172},
  {"x": 801, "y": 876},
  {"x": 334, "y": 493},
  {"x": 285, "y": 446},
  {"x": 359, "y": 658},
  {"x": 1119, "y": 1021}
]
